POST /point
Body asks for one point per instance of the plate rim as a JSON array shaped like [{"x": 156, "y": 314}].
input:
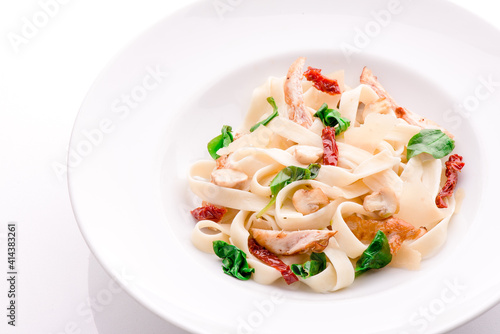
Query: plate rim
[{"x": 88, "y": 238}]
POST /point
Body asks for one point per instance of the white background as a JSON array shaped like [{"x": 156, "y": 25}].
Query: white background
[{"x": 61, "y": 287}]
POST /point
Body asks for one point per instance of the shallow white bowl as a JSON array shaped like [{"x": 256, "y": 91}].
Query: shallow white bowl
[{"x": 153, "y": 109}]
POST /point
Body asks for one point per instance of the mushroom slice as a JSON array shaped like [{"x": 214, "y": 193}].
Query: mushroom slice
[
  {"x": 229, "y": 178},
  {"x": 383, "y": 202},
  {"x": 308, "y": 201},
  {"x": 294, "y": 242}
]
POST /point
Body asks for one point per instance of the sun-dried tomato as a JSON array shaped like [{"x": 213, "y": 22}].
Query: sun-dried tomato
[
  {"x": 321, "y": 82},
  {"x": 330, "y": 149},
  {"x": 271, "y": 260},
  {"x": 453, "y": 166},
  {"x": 209, "y": 212}
]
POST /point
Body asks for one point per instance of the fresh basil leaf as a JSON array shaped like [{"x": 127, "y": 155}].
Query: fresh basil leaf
[
  {"x": 270, "y": 117},
  {"x": 227, "y": 136},
  {"x": 293, "y": 173},
  {"x": 288, "y": 175},
  {"x": 432, "y": 141},
  {"x": 313, "y": 267},
  {"x": 222, "y": 140},
  {"x": 332, "y": 118},
  {"x": 376, "y": 256},
  {"x": 314, "y": 170},
  {"x": 234, "y": 260}
]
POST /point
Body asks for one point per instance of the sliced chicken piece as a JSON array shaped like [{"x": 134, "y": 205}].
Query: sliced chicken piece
[
  {"x": 383, "y": 202},
  {"x": 381, "y": 106},
  {"x": 368, "y": 78},
  {"x": 307, "y": 154},
  {"x": 296, "y": 242},
  {"x": 221, "y": 162},
  {"x": 417, "y": 120},
  {"x": 396, "y": 230},
  {"x": 294, "y": 94},
  {"x": 309, "y": 201},
  {"x": 229, "y": 178}
]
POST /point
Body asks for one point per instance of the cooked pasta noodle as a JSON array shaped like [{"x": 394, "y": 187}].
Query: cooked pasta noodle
[{"x": 373, "y": 182}]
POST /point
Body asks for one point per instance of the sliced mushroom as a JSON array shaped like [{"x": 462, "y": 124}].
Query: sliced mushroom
[
  {"x": 290, "y": 243},
  {"x": 307, "y": 154},
  {"x": 309, "y": 201},
  {"x": 383, "y": 202},
  {"x": 229, "y": 178}
]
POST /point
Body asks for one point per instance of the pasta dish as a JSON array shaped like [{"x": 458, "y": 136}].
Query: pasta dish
[{"x": 324, "y": 182}]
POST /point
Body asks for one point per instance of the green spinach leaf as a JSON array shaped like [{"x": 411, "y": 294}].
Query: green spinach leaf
[
  {"x": 376, "y": 256},
  {"x": 332, "y": 118},
  {"x": 270, "y": 117},
  {"x": 293, "y": 173},
  {"x": 222, "y": 140},
  {"x": 313, "y": 267},
  {"x": 286, "y": 176},
  {"x": 234, "y": 260},
  {"x": 432, "y": 141}
]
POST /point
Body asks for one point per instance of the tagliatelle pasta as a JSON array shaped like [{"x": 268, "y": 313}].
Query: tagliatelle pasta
[{"x": 276, "y": 187}]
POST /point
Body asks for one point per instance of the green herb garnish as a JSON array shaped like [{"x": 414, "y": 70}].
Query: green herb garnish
[
  {"x": 288, "y": 175},
  {"x": 270, "y": 117},
  {"x": 332, "y": 118},
  {"x": 234, "y": 260},
  {"x": 222, "y": 140},
  {"x": 313, "y": 267},
  {"x": 376, "y": 256},
  {"x": 432, "y": 141}
]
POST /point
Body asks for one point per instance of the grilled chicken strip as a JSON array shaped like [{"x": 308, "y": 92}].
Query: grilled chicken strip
[
  {"x": 295, "y": 242},
  {"x": 396, "y": 230},
  {"x": 369, "y": 79},
  {"x": 294, "y": 94}
]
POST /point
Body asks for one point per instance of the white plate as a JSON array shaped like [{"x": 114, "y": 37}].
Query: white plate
[{"x": 129, "y": 158}]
